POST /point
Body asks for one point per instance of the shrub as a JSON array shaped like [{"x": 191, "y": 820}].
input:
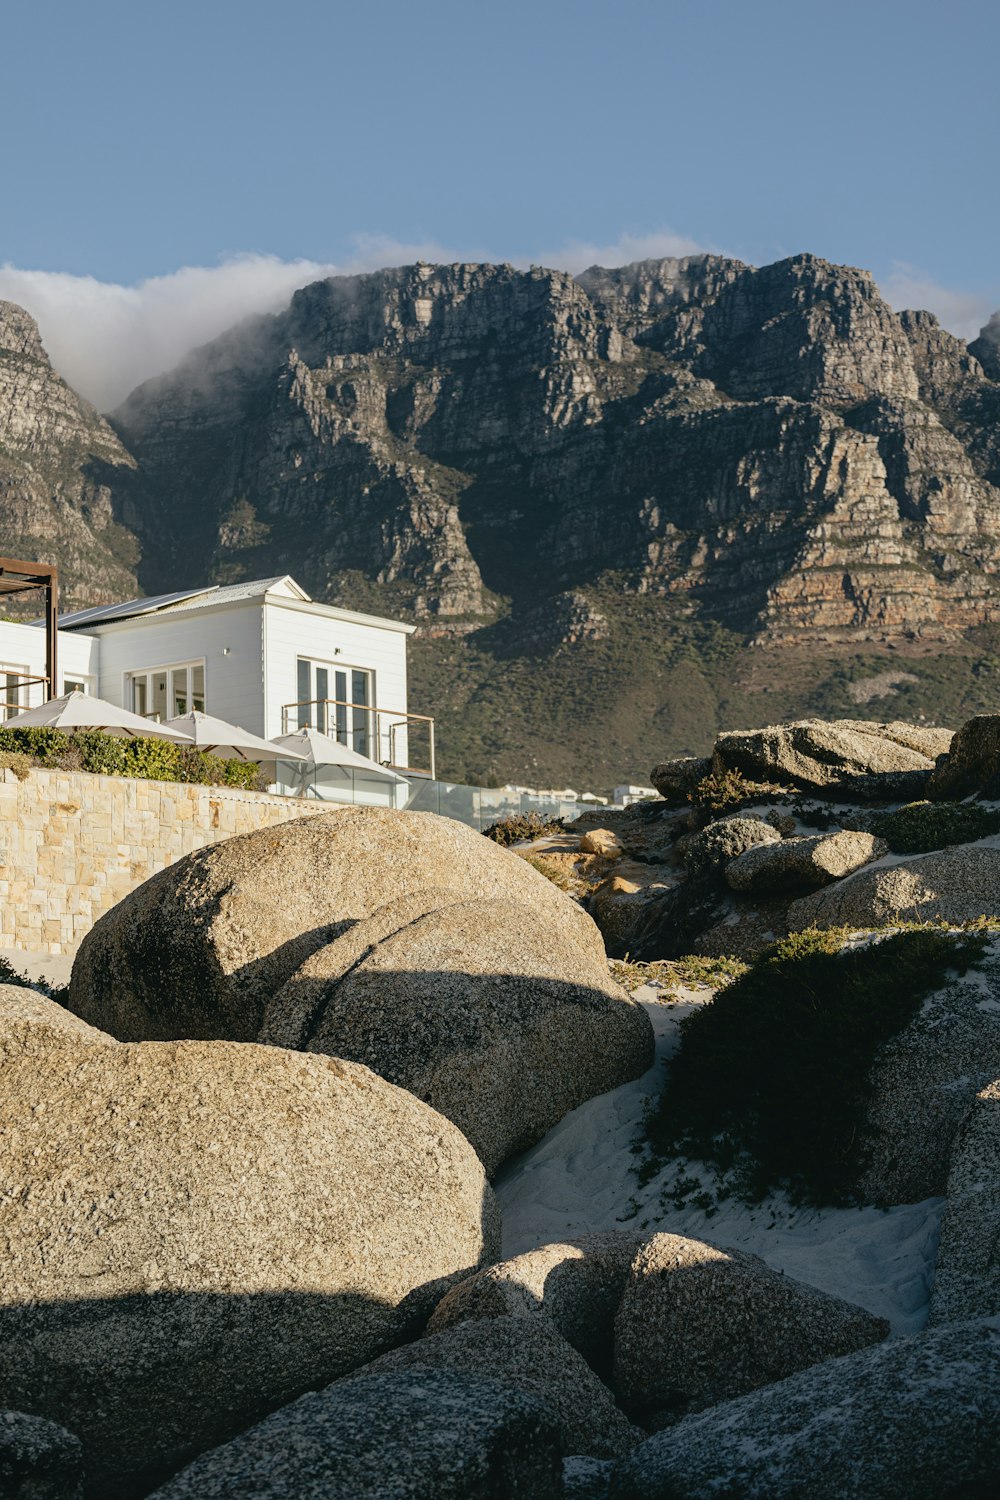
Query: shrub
[
  {"x": 772, "y": 1075},
  {"x": 922, "y": 826},
  {"x": 718, "y": 794},
  {"x": 517, "y": 826},
  {"x": 16, "y": 761},
  {"x": 111, "y": 755}
]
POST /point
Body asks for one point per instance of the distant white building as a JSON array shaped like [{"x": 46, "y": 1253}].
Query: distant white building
[
  {"x": 626, "y": 795},
  {"x": 263, "y": 655}
]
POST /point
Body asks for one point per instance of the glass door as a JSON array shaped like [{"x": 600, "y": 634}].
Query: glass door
[{"x": 338, "y": 701}]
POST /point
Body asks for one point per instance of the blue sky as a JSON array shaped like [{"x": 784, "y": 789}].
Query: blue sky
[{"x": 142, "y": 139}]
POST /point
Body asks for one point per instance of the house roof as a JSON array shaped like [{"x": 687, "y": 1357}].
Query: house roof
[
  {"x": 282, "y": 590},
  {"x": 187, "y": 599}
]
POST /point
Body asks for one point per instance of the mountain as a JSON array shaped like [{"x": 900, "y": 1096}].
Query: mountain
[
  {"x": 64, "y": 475},
  {"x": 626, "y": 508}
]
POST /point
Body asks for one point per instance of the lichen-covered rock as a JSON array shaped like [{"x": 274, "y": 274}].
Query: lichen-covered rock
[
  {"x": 496, "y": 1015},
  {"x": 198, "y": 950},
  {"x": 819, "y": 755},
  {"x": 203, "y": 1230},
  {"x": 956, "y": 885},
  {"x": 803, "y": 862},
  {"x": 673, "y": 779},
  {"x": 911, "y": 1419},
  {"x": 967, "y": 1275},
  {"x": 577, "y": 1285},
  {"x": 38, "y": 1460},
  {"x": 531, "y": 1356},
  {"x": 922, "y": 1084},
  {"x": 724, "y": 840},
  {"x": 30, "y": 1022},
  {"x": 972, "y": 761},
  {"x": 419, "y": 1434},
  {"x": 698, "y": 1325}
]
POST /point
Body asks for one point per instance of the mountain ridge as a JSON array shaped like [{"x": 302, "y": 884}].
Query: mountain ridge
[{"x": 590, "y": 491}]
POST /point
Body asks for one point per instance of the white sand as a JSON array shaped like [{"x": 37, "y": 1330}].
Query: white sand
[
  {"x": 53, "y": 967},
  {"x": 581, "y": 1178}
]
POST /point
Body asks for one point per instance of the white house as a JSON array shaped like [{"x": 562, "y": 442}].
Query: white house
[{"x": 263, "y": 655}]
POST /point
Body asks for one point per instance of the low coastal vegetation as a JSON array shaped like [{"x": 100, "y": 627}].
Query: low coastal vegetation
[
  {"x": 110, "y": 755},
  {"x": 516, "y": 827},
  {"x": 920, "y": 827},
  {"x": 770, "y": 1082}
]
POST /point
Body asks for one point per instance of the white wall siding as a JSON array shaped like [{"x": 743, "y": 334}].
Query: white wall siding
[
  {"x": 227, "y": 639},
  {"x": 291, "y": 632},
  {"x": 22, "y": 648}
]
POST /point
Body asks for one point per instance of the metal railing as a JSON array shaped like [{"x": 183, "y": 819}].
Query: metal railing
[{"x": 315, "y": 713}]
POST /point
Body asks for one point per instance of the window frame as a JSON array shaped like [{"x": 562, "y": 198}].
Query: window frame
[{"x": 188, "y": 666}]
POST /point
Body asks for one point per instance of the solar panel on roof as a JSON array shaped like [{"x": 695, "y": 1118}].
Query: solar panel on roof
[{"x": 102, "y": 612}]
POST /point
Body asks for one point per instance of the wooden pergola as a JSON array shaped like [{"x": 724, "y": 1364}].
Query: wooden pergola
[{"x": 17, "y": 577}]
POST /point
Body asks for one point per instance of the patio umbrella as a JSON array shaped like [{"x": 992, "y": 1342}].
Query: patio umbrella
[
  {"x": 330, "y": 768},
  {"x": 81, "y": 711},
  {"x": 229, "y": 741}
]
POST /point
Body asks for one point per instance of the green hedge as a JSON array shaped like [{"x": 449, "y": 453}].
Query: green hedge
[{"x": 109, "y": 755}]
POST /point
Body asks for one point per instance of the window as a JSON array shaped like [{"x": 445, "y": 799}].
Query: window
[
  {"x": 167, "y": 692},
  {"x": 77, "y": 684},
  {"x": 338, "y": 701}
]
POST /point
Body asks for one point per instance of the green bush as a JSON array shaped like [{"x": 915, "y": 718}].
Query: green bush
[
  {"x": 517, "y": 826},
  {"x": 772, "y": 1075},
  {"x": 922, "y": 826},
  {"x": 110, "y": 755},
  {"x": 719, "y": 794}
]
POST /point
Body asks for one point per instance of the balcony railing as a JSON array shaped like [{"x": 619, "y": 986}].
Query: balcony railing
[
  {"x": 378, "y": 729},
  {"x": 11, "y": 683}
]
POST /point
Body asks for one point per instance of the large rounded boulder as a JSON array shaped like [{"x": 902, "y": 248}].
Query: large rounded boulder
[
  {"x": 199, "y": 950},
  {"x": 199, "y": 1232},
  {"x": 498, "y": 1017}
]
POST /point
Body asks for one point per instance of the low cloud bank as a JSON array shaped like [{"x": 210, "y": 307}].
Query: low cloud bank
[
  {"x": 962, "y": 313},
  {"x": 105, "y": 339}
]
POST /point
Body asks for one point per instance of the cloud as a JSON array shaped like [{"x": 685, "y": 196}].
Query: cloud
[
  {"x": 962, "y": 313},
  {"x": 577, "y": 255},
  {"x": 105, "y": 339}
]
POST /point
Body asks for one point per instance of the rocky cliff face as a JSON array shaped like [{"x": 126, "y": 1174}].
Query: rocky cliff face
[
  {"x": 545, "y": 470},
  {"x": 775, "y": 447},
  {"x": 63, "y": 474}
]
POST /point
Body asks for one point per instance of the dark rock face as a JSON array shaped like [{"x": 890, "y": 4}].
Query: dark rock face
[
  {"x": 765, "y": 441},
  {"x": 65, "y": 478},
  {"x": 566, "y": 475}
]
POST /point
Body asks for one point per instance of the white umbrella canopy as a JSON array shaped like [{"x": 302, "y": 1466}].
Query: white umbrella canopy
[
  {"x": 322, "y": 750},
  {"x": 80, "y": 711},
  {"x": 228, "y": 740}
]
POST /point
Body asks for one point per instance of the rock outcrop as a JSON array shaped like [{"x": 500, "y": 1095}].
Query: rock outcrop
[
  {"x": 532, "y": 1357},
  {"x": 800, "y": 863},
  {"x": 455, "y": 970},
  {"x": 911, "y": 1419},
  {"x": 698, "y": 1325},
  {"x": 202, "y": 1231},
  {"x": 577, "y": 1285},
  {"x": 924, "y": 1081},
  {"x": 38, "y": 1460},
  {"x": 498, "y": 1016},
  {"x": 888, "y": 760},
  {"x": 953, "y": 885},
  {"x": 967, "y": 1275},
  {"x": 425, "y": 1434},
  {"x": 200, "y": 949}
]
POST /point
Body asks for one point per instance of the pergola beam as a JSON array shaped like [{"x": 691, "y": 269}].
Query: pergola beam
[{"x": 19, "y": 577}]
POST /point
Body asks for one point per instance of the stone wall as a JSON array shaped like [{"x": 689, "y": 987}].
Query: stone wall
[{"x": 73, "y": 844}]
